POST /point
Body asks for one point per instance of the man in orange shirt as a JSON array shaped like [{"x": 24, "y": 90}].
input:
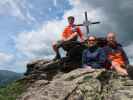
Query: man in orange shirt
[
  {"x": 116, "y": 55},
  {"x": 71, "y": 33}
]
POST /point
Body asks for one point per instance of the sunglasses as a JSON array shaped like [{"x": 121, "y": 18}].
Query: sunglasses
[{"x": 92, "y": 40}]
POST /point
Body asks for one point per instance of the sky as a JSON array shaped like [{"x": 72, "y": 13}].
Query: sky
[{"x": 29, "y": 27}]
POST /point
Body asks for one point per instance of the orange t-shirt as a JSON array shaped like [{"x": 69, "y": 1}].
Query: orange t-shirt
[
  {"x": 116, "y": 57},
  {"x": 68, "y": 31}
]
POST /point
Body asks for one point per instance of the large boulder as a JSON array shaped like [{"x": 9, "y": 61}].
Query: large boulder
[
  {"x": 65, "y": 80},
  {"x": 62, "y": 88},
  {"x": 78, "y": 84},
  {"x": 44, "y": 69}
]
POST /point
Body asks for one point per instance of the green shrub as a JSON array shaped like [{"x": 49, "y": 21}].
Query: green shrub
[{"x": 12, "y": 91}]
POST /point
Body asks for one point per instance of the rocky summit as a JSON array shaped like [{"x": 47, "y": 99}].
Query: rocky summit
[{"x": 65, "y": 80}]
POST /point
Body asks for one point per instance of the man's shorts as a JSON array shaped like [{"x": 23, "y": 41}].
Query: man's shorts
[
  {"x": 59, "y": 43},
  {"x": 67, "y": 44}
]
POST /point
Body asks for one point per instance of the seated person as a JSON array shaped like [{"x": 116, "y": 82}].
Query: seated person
[
  {"x": 71, "y": 33},
  {"x": 93, "y": 56},
  {"x": 115, "y": 54}
]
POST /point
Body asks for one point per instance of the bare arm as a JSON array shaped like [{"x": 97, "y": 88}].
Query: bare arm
[{"x": 80, "y": 34}]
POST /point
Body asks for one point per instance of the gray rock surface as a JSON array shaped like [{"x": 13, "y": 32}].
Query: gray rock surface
[{"x": 48, "y": 82}]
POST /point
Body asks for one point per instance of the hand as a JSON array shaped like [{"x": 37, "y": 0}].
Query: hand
[
  {"x": 89, "y": 68},
  {"x": 81, "y": 40},
  {"x": 86, "y": 66}
]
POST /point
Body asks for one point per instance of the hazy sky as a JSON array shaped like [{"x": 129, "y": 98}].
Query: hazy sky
[{"x": 28, "y": 27}]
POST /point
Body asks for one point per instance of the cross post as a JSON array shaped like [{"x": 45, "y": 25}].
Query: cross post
[{"x": 87, "y": 23}]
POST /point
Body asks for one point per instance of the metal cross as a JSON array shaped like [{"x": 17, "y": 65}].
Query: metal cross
[{"x": 87, "y": 23}]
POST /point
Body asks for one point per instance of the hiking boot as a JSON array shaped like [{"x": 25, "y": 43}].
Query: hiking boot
[{"x": 57, "y": 58}]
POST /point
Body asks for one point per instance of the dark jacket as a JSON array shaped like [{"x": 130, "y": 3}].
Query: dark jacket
[
  {"x": 94, "y": 57},
  {"x": 119, "y": 48}
]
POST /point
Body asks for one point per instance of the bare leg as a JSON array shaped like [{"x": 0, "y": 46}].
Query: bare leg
[
  {"x": 119, "y": 69},
  {"x": 56, "y": 49}
]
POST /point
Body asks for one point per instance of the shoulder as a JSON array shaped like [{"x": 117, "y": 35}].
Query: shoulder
[
  {"x": 100, "y": 49},
  {"x": 119, "y": 45},
  {"x": 106, "y": 48},
  {"x": 67, "y": 27},
  {"x": 77, "y": 27},
  {"x": 86, "y": 50}
]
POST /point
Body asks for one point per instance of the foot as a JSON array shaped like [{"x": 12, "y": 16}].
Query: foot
[
  {"x": 122, "y": 74},
  {"x": 56, "y": 58}
]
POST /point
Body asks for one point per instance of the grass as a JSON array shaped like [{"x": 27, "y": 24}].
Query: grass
[{"x": 12, "y": 91}]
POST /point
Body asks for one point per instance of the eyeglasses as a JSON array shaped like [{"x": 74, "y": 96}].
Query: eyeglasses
[{"x": 92, "y": 40}]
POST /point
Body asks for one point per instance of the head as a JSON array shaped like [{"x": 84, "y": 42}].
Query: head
[
  {"x": 92, "y": 41},
  {"x": 111, "y": 38},
  {"x": 71, "y": 20}
]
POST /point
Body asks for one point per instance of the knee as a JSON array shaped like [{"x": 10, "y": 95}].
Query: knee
[
  {"x": 54, "y": 45},
  {"x": 115, "y": 63}
]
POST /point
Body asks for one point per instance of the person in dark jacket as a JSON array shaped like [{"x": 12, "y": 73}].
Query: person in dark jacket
[
  {"x": 116, "y": 56},
  {"x": 94, "y": 56}
]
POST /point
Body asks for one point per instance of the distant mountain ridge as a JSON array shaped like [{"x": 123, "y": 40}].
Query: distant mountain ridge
[{"x": 8, "y": 76}]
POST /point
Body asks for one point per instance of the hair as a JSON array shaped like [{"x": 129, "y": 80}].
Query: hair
[
  {"x": 70, "y": 17},
  {"x": 92, "y": 36},
  {"x": 111, "y": 33}
]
